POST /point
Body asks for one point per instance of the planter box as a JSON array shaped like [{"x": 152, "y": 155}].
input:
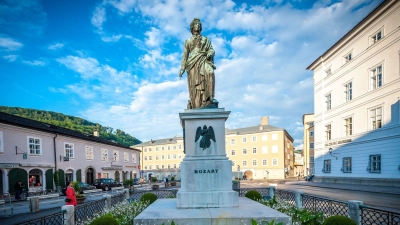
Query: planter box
[
  {"x": 80, "y": 200},
  {"x": 155, "y": 186}
]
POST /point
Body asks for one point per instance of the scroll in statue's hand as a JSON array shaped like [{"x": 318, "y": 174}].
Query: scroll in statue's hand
[{"x": 181, "y": 72}]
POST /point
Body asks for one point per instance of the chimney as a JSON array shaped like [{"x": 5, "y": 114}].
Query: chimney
[
  {"x": 264, "y": 120},
  {"x": 96, "y": 133}
]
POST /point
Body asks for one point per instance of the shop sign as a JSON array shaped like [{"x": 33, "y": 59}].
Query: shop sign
[{"x": 9, "y": 165}]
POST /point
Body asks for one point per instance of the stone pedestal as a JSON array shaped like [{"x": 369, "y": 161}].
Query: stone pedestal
[{"x": 206, "y": 172}]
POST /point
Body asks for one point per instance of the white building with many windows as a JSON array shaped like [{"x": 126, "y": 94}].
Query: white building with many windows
[{"x": 357, "y": 103}]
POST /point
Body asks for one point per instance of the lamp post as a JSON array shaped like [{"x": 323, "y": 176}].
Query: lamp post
[{"x": 238, "y": 169}]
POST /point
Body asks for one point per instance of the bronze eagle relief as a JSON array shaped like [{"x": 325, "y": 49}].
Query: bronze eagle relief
[{"x": 207, "y": 135}]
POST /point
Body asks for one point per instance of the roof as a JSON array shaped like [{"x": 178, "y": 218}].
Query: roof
[
  {"x": 371, "y": 14},
  {"x": 164, "y": 141},
  {"x": 44, "y": 127}
]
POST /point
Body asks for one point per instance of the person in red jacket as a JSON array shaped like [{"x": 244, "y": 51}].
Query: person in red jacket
[{"x": 70, "y": 193}]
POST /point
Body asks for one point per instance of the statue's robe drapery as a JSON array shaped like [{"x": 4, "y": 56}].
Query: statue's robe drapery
[{"x": 200, "y": 70}]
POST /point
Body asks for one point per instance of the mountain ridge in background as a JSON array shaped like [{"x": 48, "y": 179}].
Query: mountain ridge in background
[{"x": 73, "y": 123}]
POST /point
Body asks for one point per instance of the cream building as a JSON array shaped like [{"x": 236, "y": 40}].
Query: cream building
[
  {"x": 356, "y": 100},
  {"x": 261, "y": 152},
  {"x": 308, "y": 142}
]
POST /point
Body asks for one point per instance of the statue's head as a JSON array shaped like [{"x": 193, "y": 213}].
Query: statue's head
[{"x": 195, "y": 21}]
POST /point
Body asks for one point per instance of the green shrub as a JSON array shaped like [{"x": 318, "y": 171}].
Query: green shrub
[
  {"x": 339, "y": 220},
  {"x": 254, "y": 195},
  {"x": 172, "y": 178},
  {"x": 149, "y": 197},
  {"x": 105, "y": 220},
  {"x": 153, "y": 179}
]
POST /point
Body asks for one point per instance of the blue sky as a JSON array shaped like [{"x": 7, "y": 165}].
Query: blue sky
[{"x": 117, "y": 62}]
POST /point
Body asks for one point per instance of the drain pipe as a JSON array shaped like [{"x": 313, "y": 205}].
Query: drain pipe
[{"x": 55, "y": 153}]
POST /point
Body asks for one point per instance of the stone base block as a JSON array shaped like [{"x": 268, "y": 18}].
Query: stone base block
[
  {"x": 165, "y": 211},
  {"x": 207, "y": 199}
]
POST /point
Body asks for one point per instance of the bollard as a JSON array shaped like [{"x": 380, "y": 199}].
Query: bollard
[
  {"x": 272, "y": 191},
  {"x": 108, "y": 201},
  {"x": 127, "y": 196},
  {"x": 69, "y": 214},
  {"x": 298, "y": 198},
  {"x": 355, "y": 211}
]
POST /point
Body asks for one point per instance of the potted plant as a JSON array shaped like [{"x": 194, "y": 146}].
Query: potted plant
[
  {"x": 80, "y": 198},
  {"x": 173, "y": 183},
  {"x": 129, "y": 183},
  {"x": 235, "y": 184},
  {"x": 155, "y": 186}
]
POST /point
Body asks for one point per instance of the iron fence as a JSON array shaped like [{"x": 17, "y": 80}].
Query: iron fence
[
  {"x": 286, "y": 196},
  {"x": 242, "y": 191},
  {"x": 328, "y": 207},
  {"x": 87, "y": 210},
  {"x": 115, "y": 199},
  {"x": 374, "y": 216},
  {"x": 160, "y": 194},
  {"x": 52, "y": 219}
]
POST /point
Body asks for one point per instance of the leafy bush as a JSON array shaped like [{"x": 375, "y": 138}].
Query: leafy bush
[
  {"x": 254, "y": 195},
  {"x": 154, "y": 179},
  {"x": 254, "y": 222},
  {"x": 105, "y": 220},
  {"x": 129, "y": 182},
  {"x": 339, "y": 220},
  {"x": 172, "y": 178},
  {"x": 149, "y": 197}
]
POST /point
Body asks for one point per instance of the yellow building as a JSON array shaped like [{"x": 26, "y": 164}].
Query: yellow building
[
  {"x": 261, "y": 152},
  {"x": 308, "y": 144}
]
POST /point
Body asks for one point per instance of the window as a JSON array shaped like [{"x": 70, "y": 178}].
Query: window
[
  {"x": 376, "y": 37},
  {"x": 311, "y": 144},
  {"x": 104, "y": 154},
  {"x": 244, "y": 163},
  {"x": 244, "y": 139},
  {"x": 233, "y": 162},
  {"x": 179, "y": 156},
  {"x": 311, "y": 133},
  {"x": 233, "y": 142},
  {"x": 174, "y": 156},
  {"x": 1, "y": 142},
  {"x": 133, "y": 158},
  {"x": 233, "y": 152},
  {"x": 157, "y": 167},
  {"x": 327, "y": 166},
  {"x": 254, "y": 150},
  {"x": 346, "y": 165},
  {"x": 149, "y": 149},
  {"x": 275, "y": 149},
  {"x": 254, "y": 138},
  {"x": 264, "y": 137},
  {"x": 244, "y": 151},
  {"x": 162, "y": 148},
  {"x": 174, "y": 166},
  {"x": 169, "y": 147},
  {"x": 376, "y": 118},
  {"x": 174, "y": 147},
  {"x": 35, "y": 146},
  {"x": 374, "y": 164},
  {"x": 156, "y": 157},
  {"x": 328, "y": 101},
  {"x": 156, "y": 149},
  {"x": 104, "y": 175},
  {"x": 348, "y": 126},
  {"x": 162, "y": 166},
  {"x": 116, "y": 156},
  {"x": 274, "y": 136},
  {"x": 274, "y": 161},
  {"x": 89, "y": 152},
  {"x": 265, "y": 162},
  {"x": 145, "y": 158},
  {"x": 179, "y": 146},
  {"x": 145, "y": 149},
  {"x": 264, "y": 149},
  {"x": 169, "y": 166},
  {"x": 376, "y": 77},
  {"x": 149, "y": 167},
  {"x": 311, "y": 124},
  {"x": 162, "y": 157},
  {"x": 347, "y": 58},
  {"x": 254, "y": 162},
  {"x": 145, "y": 167},
  {"x": 168, "y": 156},
  {"x": 328, "y": 132},
  {"x": 69, "y": 150},
  {"x": 328, "y": 72},
  {"x": 311, "y": 159},
  {"x": 126, "y": 157},
  {"x": 348, "y": 91},
  {"x": 150, "y": 158}
]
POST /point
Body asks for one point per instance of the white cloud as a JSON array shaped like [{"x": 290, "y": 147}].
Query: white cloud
[
  {"x": 34, "y": 63},
  {"x": 124, "y": 6},
  {"x": 99, "y": 17},
  {"x": 10, "y": 44},
  {"x": 154, "y": 37},
  {"x": 113, "y": 38},
  {"x": 10, "y": 58},
  {"x": 87, "y": 67},
  {"x": 56, "y": 46}
]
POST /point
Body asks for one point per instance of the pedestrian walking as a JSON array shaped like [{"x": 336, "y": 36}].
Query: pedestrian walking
[
  {"x": 166, "y": 182},
  {"x": 18, "y": 190}
]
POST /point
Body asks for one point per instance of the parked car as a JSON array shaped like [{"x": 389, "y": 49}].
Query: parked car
[
  {"x": 106, "y": 184},
  {"x": 309, "y": 177},
  {"x": 136, "y": 181},
  {"x": 85, "y": 186}
]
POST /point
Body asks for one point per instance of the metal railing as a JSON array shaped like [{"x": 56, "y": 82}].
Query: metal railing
[
  {"x": 115, "y": 199},
  {"x": 374, "y": 216},
  {"x": 52, "y": 219},
  {"x": 87, "y": 210},
  {"x": 160, "y": 194},
  {"x": 328, "y": 207}
]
